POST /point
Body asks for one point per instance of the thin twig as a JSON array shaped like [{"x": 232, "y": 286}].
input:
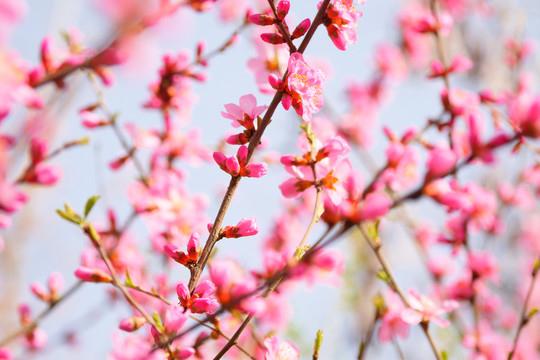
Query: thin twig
[
  {"x": 376, "y": 246},
  {"x": 43, "y": 314},
  {"x": 525, "y": 317}
]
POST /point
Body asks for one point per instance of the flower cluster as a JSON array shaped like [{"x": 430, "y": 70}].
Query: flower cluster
[
  {"x": 340, "y": 21},
  {"x": 303, "y": 87}
]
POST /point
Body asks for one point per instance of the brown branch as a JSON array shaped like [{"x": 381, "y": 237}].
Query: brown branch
[
  {"x": 34, "y": 324},
  {"x": 213, "y": 237},
  {"x": 376, "y": 246},
  {"x": 130, "y": 150},
  {"x": 525, "y": 317}
]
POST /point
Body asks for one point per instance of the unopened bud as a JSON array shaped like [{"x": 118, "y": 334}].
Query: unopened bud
[
  {"x": 272, "y": 38},
  {"x": 283, "y": 9},
  {"x": 261, "y": 19},
  {"x": 301, "y": 29}
]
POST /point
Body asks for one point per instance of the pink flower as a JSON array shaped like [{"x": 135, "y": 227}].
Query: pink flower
[
  {"x": 44, "y": 174},
  {"x": 303, "y": 87},
  {"x": 10, "y": 13},
  {"x": 134, "y": 348},
  {"x": 276, "y": 350},
  {"x": 341, "y": 25},
  {"x": 390, "y": 62},
  {"x": 459, "y": 64},
  {"x": 270, "y": 60},
  {"x": 392, "y": 325},
  {"x": 237, "y": 166},
  {"x": 331, "y": 168},
  {"x": 524, "y": 110},
  {"x": 517, "y": 52},
  {"x": 92, "y": 275},
  {"x": 402, "y": 170},
  {"x": 483, "y": 265},
  {"x": 173, "y": 88},
  {"x": 193, "y": 251},
  {"x": 441, "y": 161},
  {"x": 91, "y": 120},
  {"x": 243, "y": 115},
  {"x": 423, "y": 309},
  {"x": 175, "y": 316},
  {"x": 5, "y": 354},
  {"x": 132, "y": 323},
  {"x": 55, "y": 283},
  {"x": 245, "y": 227},
  {"x": 232, "y": 284},
  {"x": 11, "y": 199},
  {"x": 39, "y": 290},
  {"x": 202, "y": 300}
]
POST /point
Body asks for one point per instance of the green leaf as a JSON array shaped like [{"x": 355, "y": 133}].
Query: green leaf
[
  {"x": 373, "y": 230},
  {"x": 74, "y": 218},
  {"x": 318, "y": 341},
  {"x": 383, "y": 275},
  {"x": 536, "y": 267},
  {"x": 531, "y": 313},
  {"x": 157, "y": 319},
  {"x": 94, "y": 235},
  {"x": 90, "y": 204},
  {"x": 444, "y": 355},
  {"x": 128, "y": 282},
  {"x": 378, "y": 302}
]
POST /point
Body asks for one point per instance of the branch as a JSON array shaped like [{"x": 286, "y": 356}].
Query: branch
[
  {"x": 376, "y": 246},
  {"x": 213, "y": 237},
  {"x": 525, "y": 317},
  {"x": 34, "y": 324}
]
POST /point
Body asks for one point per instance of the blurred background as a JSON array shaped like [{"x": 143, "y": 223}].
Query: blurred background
[{"x": 40, "y": 242}]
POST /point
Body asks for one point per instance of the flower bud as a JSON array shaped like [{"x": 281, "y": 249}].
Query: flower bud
[
  {"x": 283, "y": 9},
  {"x": 301, "y": 29},
  {"x": 40, "y": 291},
  {"x": 131, "y": 324},
  {"x": 272, "y": 38},
  {"x": 261, "y": 19},
  {"x": 92, "y": 275}
]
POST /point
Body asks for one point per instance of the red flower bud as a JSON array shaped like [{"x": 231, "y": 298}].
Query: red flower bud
[
  {"x": 261, "y": 19},
  {"x": 283, "y": 9},
  {"x": 272, "y": 38},
  {"x": 301, "y": 29}
]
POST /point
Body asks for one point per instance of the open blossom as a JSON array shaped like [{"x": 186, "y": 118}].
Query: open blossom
[
  {"x": 243, "y": 115},
  {"x": 392, "y": 325},
  {"x": 424, "y": 309},
  {"x": 340, "y": 22},
  {"x": 270, "y": 60},
  {"x": 303, "y": 87},
  {"x": 232, "y": 284},
  {"x": 331, "y": 168},
  {"x": 202, "y": 300},
  {"x": 402, "y": 170},
  {"x": 193, "y": 251},
  {"x": 173, "y": 88},
  {"x": 14, "y": 87},
  {"x": 133, "y": 348},
  {"x": 11, "y": 199},
  {"x": 276, "y": 350}
]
